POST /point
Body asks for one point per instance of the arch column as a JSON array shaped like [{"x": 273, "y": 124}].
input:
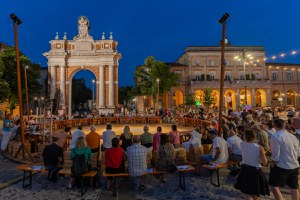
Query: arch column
[
  {"x": 53, "y": 81},
  {"x": 237, "y": 98},
  {"x": 253, "y": 102},
  {"x": 111, "y": 86},
  {"x": 101, "y": 87},
  {"x": 268, "y": 97},
  {"x": 62, "y": 86}
]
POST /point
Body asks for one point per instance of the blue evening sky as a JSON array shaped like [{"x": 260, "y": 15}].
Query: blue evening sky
[{"x": 162, "y": 28}]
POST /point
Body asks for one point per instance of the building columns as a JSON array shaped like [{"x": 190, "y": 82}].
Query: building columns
[
  {"x": 237, "y": 98},
  {"x": 53, "y": 82},
  {"x": 253, "y": 102},
  {"x": 269, "y": 97},
  {"x": 62, "y": 86},
  {"x": 101, "y": 87},
  {"x": 111, "y": 86}
]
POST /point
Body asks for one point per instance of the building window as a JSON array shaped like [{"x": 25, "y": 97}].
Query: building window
[
  {"x": 211, "y": 63},
  {"x": 289, "y": 76},
  {"x": 227, "y": 76},
  {"x": 274, "y": 76},
  {"x": 212, "y": 76},
  {"x": 242, "y": 76},
  {"x": 198, "y": 77},
  {"x": 226, "y": 63}
]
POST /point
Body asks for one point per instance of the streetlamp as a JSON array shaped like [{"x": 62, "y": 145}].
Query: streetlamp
[
  {"x": 222, "y": 21},
  {"x": 157, "y": 94},
  {"x": 93, "y": 83}
]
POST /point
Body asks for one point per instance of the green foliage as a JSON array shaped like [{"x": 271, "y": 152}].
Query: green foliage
[
  {"x": 8, "y": 76},
  {"x": 190, "y": 100},
  {"x": 145, "y": 77},
  {"x": 13, "y": 101},
  {"x": 125, "y": 94},
  {"x": 208, "y": 98},
  {"x": 80, "y": 93}
]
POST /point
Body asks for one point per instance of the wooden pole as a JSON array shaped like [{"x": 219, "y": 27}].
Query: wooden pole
[
  {"x": 17, "y": 22},
  {"x": 221, "y": 99},
  {"x": 26, "y": 92}
]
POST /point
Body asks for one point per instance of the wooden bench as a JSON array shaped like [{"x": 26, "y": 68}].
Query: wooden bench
[
  {"x": 124, "y": 174},
  {"x": 215, "y": 168},
  {"x": 140, "y": 120},
  {"x": 182, "y": 170},
  {"x": 154, "y": 120},
  {"x": 66, "y": 171}
]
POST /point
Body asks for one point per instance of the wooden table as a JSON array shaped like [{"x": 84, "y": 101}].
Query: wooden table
[{"x": 182, "y": 170}]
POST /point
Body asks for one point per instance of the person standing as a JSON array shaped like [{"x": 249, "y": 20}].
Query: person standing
[
  {"x": 156, "y": 138},
  {"x": 234, "y": 150},
  {"x": 251, "y": 180},
  {"x": 175, "y": 136},
  {"x": 63, "y": 136},
  {"x": 6, "y": 131},
  {"x": 107, "y": 136},
  {"x": 284, "y": 164}
]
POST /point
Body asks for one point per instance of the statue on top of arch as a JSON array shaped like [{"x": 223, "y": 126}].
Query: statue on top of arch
[{"x": 83, "y": 28}]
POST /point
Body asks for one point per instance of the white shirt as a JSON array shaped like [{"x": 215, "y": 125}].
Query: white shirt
[
  {"x": 76, "y": 134},
  {"x": 285, "y": 149},
  {"x": 234, "y": 142},
  {"x": 270, "y": 132},
  {"x": 221, "y": 143},
  {"x": 107, "y": 136},
  {"x": 250, "y": 154}
]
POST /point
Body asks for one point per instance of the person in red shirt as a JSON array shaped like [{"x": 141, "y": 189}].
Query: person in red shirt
[{"x": 114, "y": 161}]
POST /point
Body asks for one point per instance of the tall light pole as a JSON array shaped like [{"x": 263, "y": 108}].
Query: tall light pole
[
  {"x": 26, "y": 91},
  {"x": 157, "y": 94},
  {"x": 17, "y": 22},
  {"x": 93, "y": 83},
  {"x": 222, "y": 21}
]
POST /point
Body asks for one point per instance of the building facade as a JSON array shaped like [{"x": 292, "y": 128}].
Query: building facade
[
  {"x": 248, "y": 78},
  {"x": 67, "y": 57}
]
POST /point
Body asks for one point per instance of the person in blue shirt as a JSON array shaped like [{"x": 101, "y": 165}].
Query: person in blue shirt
[{"x": 6, "y": 131}]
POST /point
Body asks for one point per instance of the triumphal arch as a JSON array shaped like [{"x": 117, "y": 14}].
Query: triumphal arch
[{"x": 67, "y": 57}]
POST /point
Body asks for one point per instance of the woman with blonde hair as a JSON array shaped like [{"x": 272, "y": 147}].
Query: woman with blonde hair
[
  {"x": 81, "y": 149},
  {"x": 126, "y": 138}
]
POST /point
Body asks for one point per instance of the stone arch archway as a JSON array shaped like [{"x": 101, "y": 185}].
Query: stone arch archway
[
  {"x": 70, "y": 75},
  {"x": 242, "y": 97},
  {"x": 84, "y": 53},
  {"x": 199, "y": 96},
  {"x": 178, "y": 98},
  {"x": 216, "y": 95},
  {"x": 291, "y": 98},
  {"x": 275, "y": 98},
  {"x": 232, "y": 102},
  {"x": 260, "y": 98}
]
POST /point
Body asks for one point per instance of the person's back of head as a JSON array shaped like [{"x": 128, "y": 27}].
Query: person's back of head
[
  {"x": 159, "y": 129},
  {"x": 79, "y": 127},
  {"x": 67, "y": 129},
  {"x": 80, "y": 142},
  {"x": 146, "y": 128},
  {"x": 108, "y": 126},
  {"x": 249, "y": 136},
  {"x": 115, "y": 142},
  {"x": 55, "y": 139},
  {"x": 93, "y": 128},
  {"x": 136, "y": 139},
  {"x": 296, "y": 122},
  {"x": 278, "y": 124},
  {"x": 174, "y": 127}
]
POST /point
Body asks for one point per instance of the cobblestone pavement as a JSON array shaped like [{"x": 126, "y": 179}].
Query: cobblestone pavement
[{"x": 8, "y": 173}]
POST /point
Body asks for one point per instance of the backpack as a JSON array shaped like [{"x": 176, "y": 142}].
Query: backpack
[{"x": 79, "y": 165}]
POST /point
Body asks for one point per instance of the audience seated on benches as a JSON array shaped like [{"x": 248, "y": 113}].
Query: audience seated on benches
[
  {"x": 114, "y": 161},
  {"x": 126, "y": 138},
  {"x": 137, "y": 160},
  {"x": 107, "y": 136},
  {"x": 80, "y": 150},
  {"x": 53, "y": 157}
]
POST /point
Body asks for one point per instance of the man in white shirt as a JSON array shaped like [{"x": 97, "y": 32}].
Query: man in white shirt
[
  {"x": 107, "y": 136},
  {"x": 219, "y": 150},
  {"x": 234, "y": 151},
  {"x": 284, "y": 164},
  {"x": 76, "y": 134}
]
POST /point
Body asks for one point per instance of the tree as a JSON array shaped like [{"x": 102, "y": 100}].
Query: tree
[
  {"x": 190, "y": 100},
  {"x": 145, "y": 77},
  {"x": 80, "y": 93},
  {"x": 208, "y": 98},
  {"x": 8, "y": 76},
  {"x": 125, "y": 94}
]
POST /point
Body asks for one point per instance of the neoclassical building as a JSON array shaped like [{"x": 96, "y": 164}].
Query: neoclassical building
[
  {"x": 246, "y": 69},
  {"x": 67, "y": 57}
]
